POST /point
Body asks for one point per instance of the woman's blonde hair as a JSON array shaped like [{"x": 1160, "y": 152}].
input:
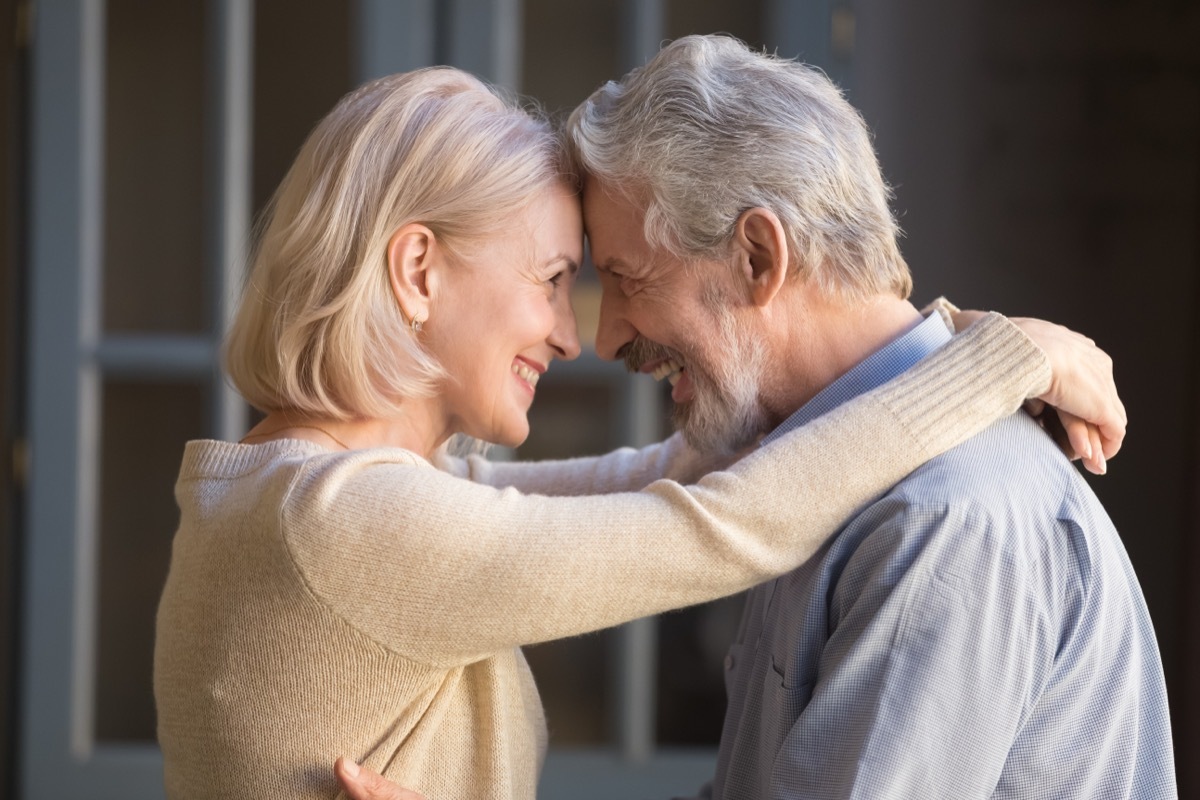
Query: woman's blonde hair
[{"x": 319, "y": 330}]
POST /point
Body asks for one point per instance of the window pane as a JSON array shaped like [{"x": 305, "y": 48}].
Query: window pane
[
  {"x": 691, "y": 679},
  {"x": 569, "y": 50},
  {"x": 574, "y": 417},
  {"x": 154, "y": 168},
  {"x": 735, "y": 17},
  {"x": 301, "y": 69},
  {"x": 144, "y": 427},
  {"x": 573, "y": 680}
]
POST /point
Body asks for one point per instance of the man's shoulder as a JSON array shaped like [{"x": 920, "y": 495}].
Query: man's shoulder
[
  {"x": 1008, "y": 489},
  {"x": 1011, "y": 470},
  {"x": 1005, "y": 496}
]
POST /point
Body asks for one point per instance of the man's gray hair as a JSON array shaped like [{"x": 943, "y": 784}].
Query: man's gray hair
[{"x": 708, "y": 129}]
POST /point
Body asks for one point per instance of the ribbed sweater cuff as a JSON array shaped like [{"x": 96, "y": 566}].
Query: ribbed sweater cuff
[{"x": 985, "y": 373}]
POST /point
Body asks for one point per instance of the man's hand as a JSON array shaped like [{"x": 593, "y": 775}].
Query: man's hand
[
  {"x": 1082, "y": 391},
  {"x": 361, "y": 783}
]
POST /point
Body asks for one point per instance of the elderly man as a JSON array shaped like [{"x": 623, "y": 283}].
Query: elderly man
[{"x": 975, "y": 632}]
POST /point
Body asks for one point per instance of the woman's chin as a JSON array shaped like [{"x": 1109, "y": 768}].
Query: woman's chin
[
  {"x": 518, "y": 437},
  {"x": 512, "y": 442},
  {"x": 511, "y": 437}
]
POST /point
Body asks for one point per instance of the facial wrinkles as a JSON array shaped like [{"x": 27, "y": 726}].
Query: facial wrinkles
[{"x": 648, "y": 281}]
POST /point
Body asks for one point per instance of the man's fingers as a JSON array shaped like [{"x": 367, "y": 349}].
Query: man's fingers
[
  {"x": 351, "y": 777},
  {"x": 363, "y": 783}
]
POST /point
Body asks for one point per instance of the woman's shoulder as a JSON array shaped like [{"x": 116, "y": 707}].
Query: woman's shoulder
[{"x": 215, "y": 459}]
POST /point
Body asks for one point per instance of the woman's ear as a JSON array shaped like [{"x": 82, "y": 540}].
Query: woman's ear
[
  {"x": 410, "y": 257},
  {"x": 760, "y": 238}
]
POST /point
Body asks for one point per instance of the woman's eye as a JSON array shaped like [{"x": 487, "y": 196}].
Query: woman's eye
[{"x": 556, "y": 279}]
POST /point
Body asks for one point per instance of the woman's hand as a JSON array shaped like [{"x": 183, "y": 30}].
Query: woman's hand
[
  {"x": 1082, "y": 391},
  {"x": 362, "y": 783}
]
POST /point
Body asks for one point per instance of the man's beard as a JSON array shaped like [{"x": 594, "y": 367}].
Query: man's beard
[{"x": 724, "y": 414}]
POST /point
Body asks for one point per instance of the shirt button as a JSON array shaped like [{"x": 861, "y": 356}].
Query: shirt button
[{"x": 728, "y": 661}]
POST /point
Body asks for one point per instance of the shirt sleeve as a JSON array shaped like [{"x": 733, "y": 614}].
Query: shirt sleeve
[
  {"x": 447, "y": 571},
  {"x": 939, "y": 641}
]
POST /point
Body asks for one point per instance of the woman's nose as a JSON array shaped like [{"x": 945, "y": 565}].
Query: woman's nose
[{"x": 565, "y": 336}]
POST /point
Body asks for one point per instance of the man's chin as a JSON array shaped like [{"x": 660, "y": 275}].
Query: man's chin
[{"x": 720, "y": 438}]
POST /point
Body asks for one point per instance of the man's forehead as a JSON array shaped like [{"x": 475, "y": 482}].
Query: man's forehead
[{"x": 614, "y": 227}]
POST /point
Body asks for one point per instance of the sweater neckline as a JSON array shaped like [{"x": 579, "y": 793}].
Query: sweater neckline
[{"x": 217, "y": 458}]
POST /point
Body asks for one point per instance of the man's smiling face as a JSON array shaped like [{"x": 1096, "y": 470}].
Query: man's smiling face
[{"x": 673, "y": 319}]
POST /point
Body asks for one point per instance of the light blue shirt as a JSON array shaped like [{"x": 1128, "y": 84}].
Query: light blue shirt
[{"x": 976, "y": 632}]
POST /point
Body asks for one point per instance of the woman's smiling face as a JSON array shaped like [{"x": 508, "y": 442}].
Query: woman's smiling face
[{"x": 503, "y": 313}]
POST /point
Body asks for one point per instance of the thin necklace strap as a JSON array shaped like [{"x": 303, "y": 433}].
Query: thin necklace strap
[{"x": 317, "y": 428}]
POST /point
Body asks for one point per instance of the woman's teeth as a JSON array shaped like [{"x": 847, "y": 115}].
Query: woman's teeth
[
  {"x": 526, "y": 374},
  {"x": 669, "y": 369}
]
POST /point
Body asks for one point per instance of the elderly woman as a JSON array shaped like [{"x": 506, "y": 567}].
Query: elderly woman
[{"x": 332, "y": 591}]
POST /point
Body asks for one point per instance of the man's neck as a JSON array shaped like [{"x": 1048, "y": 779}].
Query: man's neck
[{"x": 819, "y": 340}]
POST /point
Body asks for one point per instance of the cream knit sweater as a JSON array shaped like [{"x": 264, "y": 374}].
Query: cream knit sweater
[{"x": 366, "y": 603}]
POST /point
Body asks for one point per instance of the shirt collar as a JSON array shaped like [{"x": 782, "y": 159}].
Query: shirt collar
[{"x": 875, "y": 370}]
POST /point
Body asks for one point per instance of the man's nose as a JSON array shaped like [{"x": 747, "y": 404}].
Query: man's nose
[{"x": 614, "y": 330}]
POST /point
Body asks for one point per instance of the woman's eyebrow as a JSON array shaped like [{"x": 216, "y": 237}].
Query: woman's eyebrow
[{"x": 572, "y": 264}]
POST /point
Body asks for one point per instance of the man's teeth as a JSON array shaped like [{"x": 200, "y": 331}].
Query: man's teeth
[
  {"x": 669, "y": 369},
  {"x": 526, "y": 374}
]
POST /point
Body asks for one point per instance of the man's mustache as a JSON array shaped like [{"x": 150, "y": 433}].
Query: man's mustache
[{"x": 643, "y": 351}]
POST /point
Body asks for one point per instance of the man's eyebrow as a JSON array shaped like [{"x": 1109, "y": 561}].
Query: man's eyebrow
[{"x": 610, "y": 264}]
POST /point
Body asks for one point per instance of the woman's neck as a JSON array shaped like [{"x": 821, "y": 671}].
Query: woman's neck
[{"x": 413, "y": 430}]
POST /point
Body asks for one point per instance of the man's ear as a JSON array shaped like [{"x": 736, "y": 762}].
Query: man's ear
[
  {"x": 763, "y": 253},
  {"x": 410, "y": 257}
]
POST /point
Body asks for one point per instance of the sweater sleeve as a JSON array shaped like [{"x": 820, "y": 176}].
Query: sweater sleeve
[
  {"x": 446, "y": 571},
  {"x": 623, "y": 470}
]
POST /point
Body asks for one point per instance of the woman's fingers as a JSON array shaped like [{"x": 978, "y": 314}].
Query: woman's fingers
[
  {"x": 1085, "y": 441},
  {"x": 1081, "y": 384}
]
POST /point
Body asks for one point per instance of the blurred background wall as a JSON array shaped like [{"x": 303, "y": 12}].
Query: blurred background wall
[
  {"x": 1046, "y": 162},
  {"x": 11, "y": 218}
]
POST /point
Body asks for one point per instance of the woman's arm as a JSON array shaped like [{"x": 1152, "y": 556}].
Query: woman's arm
[
  {"x": 446, "y": 571},
  {"x": 1081, "y": 382},
  {"x": 622, "y": 470}
]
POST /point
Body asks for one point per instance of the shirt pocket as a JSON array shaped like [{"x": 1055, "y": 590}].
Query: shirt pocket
[
  {"x": 783, "y": 700},
  {"x": 782, "y": 706}
]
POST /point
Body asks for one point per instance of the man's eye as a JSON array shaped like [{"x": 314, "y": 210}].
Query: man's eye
[{"x": 557, "y": 278}]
